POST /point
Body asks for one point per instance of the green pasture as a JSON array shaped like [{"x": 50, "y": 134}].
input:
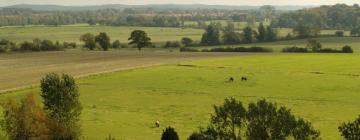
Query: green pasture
[
  {"x": 73, "y": 33},
  {"x": 322, "y": 88},
  {"x": 327, "y": 42}
]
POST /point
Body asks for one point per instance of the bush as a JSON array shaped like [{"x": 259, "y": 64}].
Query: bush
[
  {"x": 329, "y": 50},
  {"x": 116, "y": 44},
  {"x": 187, "y": 49},
  {"x": 347, "y": 49},
  {"x": 69, "y": 45},
  {"x": 28, "y": 46},
  {"x": 186, "y": 41},
  {"x": 48, "y": 45},
  {"x": 170, "y": 44},
  {"x": 26, "y": 120},
  {"x": 339, "y": 33},
  {"x": 295, "y": 49},
  {"x": 239, "y": 49},
  {"x": 351, "y": 130},
  {"x": 169, "y": 134}
]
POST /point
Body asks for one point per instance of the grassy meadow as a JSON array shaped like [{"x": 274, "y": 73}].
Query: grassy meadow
[
  {"x": 322, "y": 88},
  {"x": 327, "y": 42},
  {"x": 73, "y": 33}
]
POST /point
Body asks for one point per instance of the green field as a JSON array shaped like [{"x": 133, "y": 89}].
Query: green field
[
  {"x": 322, "y": 88},
  {"x": 73, "y": 33},
  {"x": 31, "y": 66},
  {"x": 327, "y": 42}
]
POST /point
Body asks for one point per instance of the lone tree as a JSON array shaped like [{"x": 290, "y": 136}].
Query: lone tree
[
  {"x": 186, "y": 41},
  {"x": 261, "y": 33},
  {"x": 61, "y": 102},
  {"x": 140, "y": 39},
  {"x": 314, "y": 45},
  {"x": 103, "y": 40},
  {"x": 169, "y": 134},
  {"x": 89, "y": 41},
  {"x": 211, "y": 35},
  {"x": 265, "y": 121},
  {"x": 351, "y": 130},
  {"x": 248, "y": 34}
]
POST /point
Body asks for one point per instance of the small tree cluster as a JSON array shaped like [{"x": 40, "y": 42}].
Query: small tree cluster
[
  {"x": 58, "y": 119},
  {"x": 262, "y": 120},
  {"x": 172, "y": 44}
]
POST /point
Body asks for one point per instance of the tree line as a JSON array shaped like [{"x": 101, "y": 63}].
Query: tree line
[
  {"x": 34, "y": 46},
  {"x": 339, "y": 16},
  {"x": 262, "y": 120}
]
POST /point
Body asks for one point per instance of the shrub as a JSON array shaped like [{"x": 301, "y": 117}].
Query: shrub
[
  {"x": 169, "y": 134},
  {"x": 351, "y": 130},
  {"x": 187, "y": 49},
  {"x": 328, "y": 50},
  {"x": 240, "y": 49},
  {"x": 69, "y": 45},
  {"x": 48, "y": 45},
  {"x": 24, "y": 121},
  {"x": 339, "y": 33},
  {"x": 295, "y": 49},
  {"x": 186, "y": 41},
  {"x": 116, "y": 44},
  {"x": 347, "y": 49},
  {"x": 170, "y": 44},
  {"x": 28, "y": 46}
]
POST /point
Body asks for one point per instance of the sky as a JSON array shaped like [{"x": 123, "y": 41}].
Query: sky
[{"x": 209, "y": 2}]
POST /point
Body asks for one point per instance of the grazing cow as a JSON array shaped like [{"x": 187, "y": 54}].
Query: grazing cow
[
  {"x": 231, "y": 79},
  {"x": 243, "y": 78},
  {"x": 157, "y": 124}
]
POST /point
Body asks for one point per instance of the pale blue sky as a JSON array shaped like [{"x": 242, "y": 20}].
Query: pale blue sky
[{"x": 221, "y": 2}]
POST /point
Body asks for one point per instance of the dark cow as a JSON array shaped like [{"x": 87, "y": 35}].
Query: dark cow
[
  {"x": 231, "y": 79},
  {"x": 243, "y": 78}
]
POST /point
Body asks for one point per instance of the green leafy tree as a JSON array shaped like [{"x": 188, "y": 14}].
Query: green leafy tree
[
  {"x": 140, "y": 39},
  {"x": 211, "y": 35},
  {"x": 248, "y": 35},
  {"x": 271, "y": 35},
  {"x": 61, "y": 102},
  {"x": 89, "y": 41},
  {"x": 347, "y": 49},
  {"x": 261, "y": 33},
  {"x": 103, "y": 40},
  {"x": 169, "y": 134},
  {"x": 264, "y": 121},
  {"x": 303, "y": 31},
  {"x": 351, "y": 130},
  {"x": 24, "y": 121},
  {"x": 230, "y": 36},
  {"x": 314, "y": 45},
  {"x": 186, "y": 41}
]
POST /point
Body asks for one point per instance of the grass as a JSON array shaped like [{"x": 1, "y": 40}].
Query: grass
[
  {"x": 73, "y": 33},
  {"x": 31, "y": 66},
  {"x": 322, "y": 88},
  {"x": 327, "y": 42}
]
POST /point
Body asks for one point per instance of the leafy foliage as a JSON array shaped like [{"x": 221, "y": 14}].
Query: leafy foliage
[
  {"x": 351, "y": 130},
  {"x": 104, "y": 41},
  {"x": 140, "y": 39},
  {"x": 61, "y": 102},
  {"x": 169, "y": 134}
]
